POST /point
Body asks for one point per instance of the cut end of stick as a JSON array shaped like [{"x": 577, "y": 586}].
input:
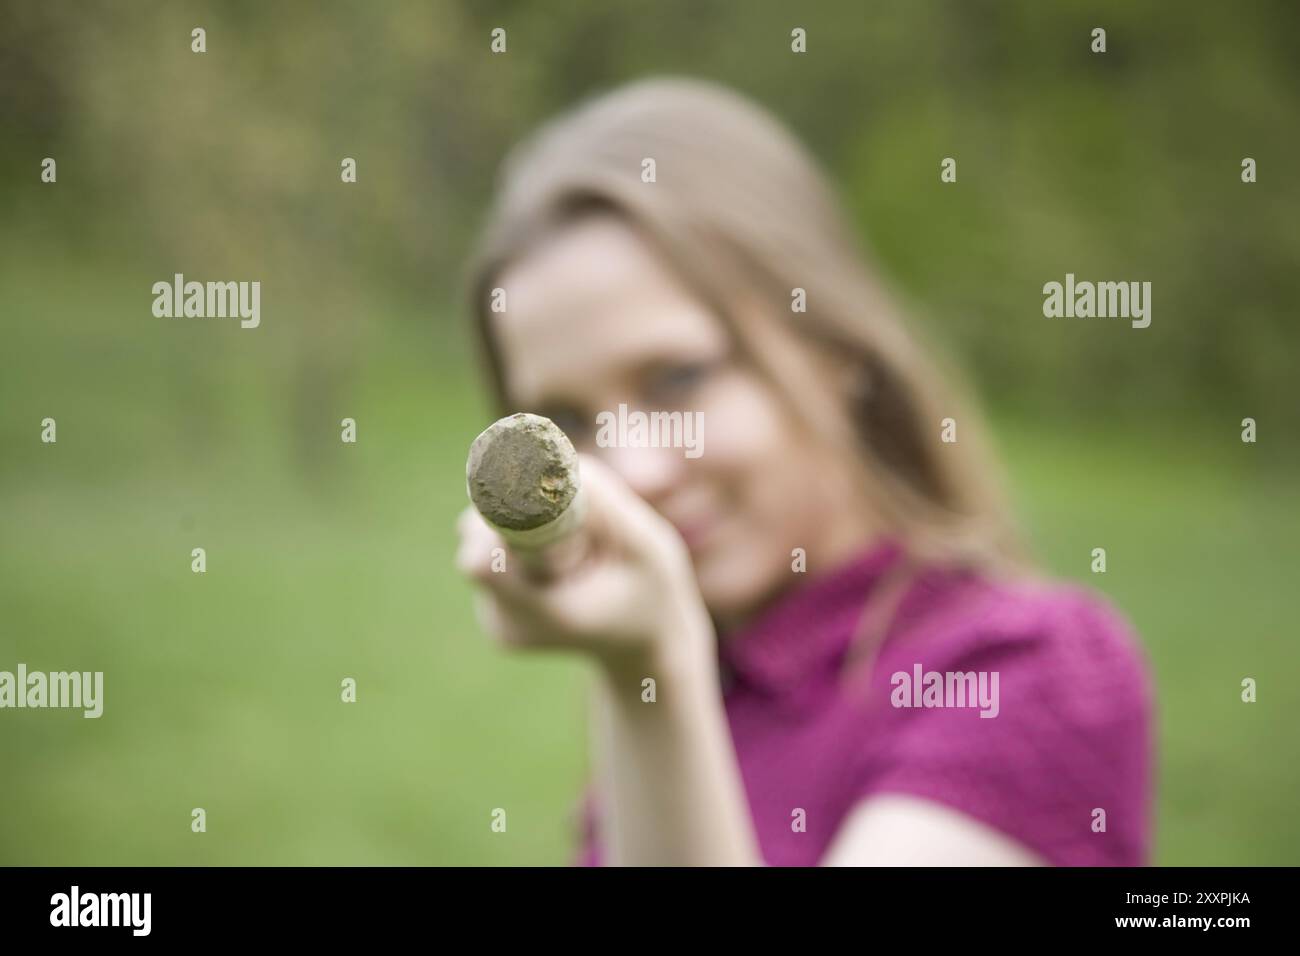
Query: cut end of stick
[{"x": 522, "y": 472}]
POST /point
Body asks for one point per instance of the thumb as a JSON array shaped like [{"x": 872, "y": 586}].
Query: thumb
[{"x": 618, "y": 517}]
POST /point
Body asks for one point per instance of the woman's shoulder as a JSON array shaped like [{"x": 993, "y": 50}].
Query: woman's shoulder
[
  {"x": 1051, "y": 637},
  {"x": 1061, "y": 669}
]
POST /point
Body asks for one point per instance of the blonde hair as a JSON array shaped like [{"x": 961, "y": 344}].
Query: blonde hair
[{"x": 741, "y": 210}]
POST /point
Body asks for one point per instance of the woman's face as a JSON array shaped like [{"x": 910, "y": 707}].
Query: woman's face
[{"x": 595, "y": 320}]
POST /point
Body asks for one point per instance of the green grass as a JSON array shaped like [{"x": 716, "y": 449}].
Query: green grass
[
  {"x": 327, "y": 561},
  {"x": 223, "y": 689}
]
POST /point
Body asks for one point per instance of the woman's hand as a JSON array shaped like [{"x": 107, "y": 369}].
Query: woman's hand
[
  {"x": 671, "y": 783},
  {"x": 628, "y": 597}
]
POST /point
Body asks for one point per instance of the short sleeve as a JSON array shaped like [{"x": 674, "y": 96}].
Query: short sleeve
[{"x": 1060, "y": 761}]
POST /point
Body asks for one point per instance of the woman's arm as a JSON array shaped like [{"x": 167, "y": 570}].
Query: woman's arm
[
  {"x": 672, "y": 792},
  {"x": 900, "y": 830},
  {"x": 671, "y": 787}
]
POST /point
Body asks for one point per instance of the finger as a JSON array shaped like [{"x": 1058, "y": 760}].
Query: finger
[
  {"x": 484, "y": 558},
  {"x": 493, "y": 621},
  {"x": 475, "y": 552},
  {"x": 617, "y": 516},
  {"x": 512, "y": 622}
]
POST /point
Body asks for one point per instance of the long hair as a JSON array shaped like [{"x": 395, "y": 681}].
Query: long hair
[{"x": 743, "y": 213}]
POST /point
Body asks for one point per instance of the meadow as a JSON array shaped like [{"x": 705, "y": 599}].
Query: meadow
[{"x": 328, "y": 560}]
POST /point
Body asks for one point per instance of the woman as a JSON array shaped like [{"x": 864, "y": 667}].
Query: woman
[{"x": 815, "y": 638}]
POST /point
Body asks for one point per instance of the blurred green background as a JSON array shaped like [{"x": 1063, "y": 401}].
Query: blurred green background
[{"x": 328, "y": 560}]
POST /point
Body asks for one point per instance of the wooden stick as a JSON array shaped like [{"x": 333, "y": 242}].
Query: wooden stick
[{"x": 522, "y": 476}]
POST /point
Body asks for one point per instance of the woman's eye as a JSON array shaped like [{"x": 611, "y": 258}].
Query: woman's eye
[{"x": 677, "y": 381}]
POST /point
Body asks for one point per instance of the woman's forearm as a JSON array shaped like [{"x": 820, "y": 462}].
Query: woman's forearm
[{"x": 671, "y": 790}]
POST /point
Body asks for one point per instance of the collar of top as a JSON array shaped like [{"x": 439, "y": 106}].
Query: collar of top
[{"x": 808, "y": 627}]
